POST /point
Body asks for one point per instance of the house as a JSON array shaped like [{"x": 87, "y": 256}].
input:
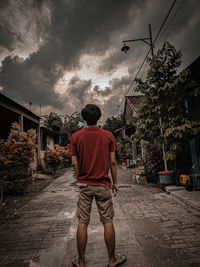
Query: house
[
  {"x": 131, "y": 105},
  {"x": 11, "y": 111},
  {"x": 130, "y": 110},
  {"x": 193, "y": 108},
  {"x": 48, "y": 139}
]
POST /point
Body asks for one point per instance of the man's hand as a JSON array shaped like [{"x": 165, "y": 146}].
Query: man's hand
[
  {"x": 75, "y": 166},
  {"x": 115, "y": 189}
]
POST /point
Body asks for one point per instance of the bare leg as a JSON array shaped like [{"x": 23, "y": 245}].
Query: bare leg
[
  {"x": 109, "y": 236},
  {"x": 81, "y": 242}
]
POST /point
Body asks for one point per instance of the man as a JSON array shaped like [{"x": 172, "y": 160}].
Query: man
[{"x": 93, "y": 153}]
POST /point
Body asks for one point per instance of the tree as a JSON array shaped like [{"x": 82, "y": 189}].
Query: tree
[
  {"x": 53, "y": 122},
  {"x": 71, "y": 125},
  {"x": 114, "y": 123},
  {"x": 123, "y": 142},
  {"x": 165, "y": 94}
]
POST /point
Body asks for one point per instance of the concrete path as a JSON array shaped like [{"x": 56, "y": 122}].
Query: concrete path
[
  {"x": 152, "y": 229},
  {"x": 42, "y": 230},
  {"x": 190, "y": 198}
]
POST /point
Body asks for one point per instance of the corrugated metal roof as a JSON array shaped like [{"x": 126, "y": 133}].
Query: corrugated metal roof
[
  {"x": 132, "y": 102},
  {"x": 136, "y": 99},
  {"x": 11, "y": 102}
]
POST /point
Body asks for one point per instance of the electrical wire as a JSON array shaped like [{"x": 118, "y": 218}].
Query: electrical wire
[
  {"x": 159, "y": 31},
  {"x": 164, "y": 21},
  {"x": 132, "y": 82},
  {"x": 141, "y": 76},
  {"x": 175, "y": 14}
]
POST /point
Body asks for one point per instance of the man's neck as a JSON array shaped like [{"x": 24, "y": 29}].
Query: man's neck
[{"x": 90, "y": 126}]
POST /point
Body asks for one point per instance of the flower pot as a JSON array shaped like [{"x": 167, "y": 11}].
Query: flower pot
[{"x": 166, "y": 178}]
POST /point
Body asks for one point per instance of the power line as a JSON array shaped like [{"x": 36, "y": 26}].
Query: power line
[
  {"x": 164, "y": 21},
  {"x": 148, "y": 53},
  {"x": 133, "y": 81},
  {"x": 175, "y": 14},
  {"x": 143, "y": 70}
]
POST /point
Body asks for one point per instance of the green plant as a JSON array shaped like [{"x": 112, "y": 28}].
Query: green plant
[
  {"x": 71, "y": 125},
  {"x": 63, "y": 152},
  {"x": 164, "y": 107},
  {"x": 53, "y": 122},
  {"x": 153, "y": 163},
  {"x": 66, "y": 159},
  {"x": 56, "y": 158},
  {"x": 114, "y": 123},
  {"x": 53, "y": 160},
  {"x": 124, "y": 143},
  {"x": 16, "y": 154}
]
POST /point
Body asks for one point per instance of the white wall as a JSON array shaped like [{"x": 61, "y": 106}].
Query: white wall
[{"x": 50, "y": 142}]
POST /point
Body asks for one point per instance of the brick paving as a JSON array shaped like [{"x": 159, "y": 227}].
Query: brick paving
[
  {"x": 40, "y": 233},
  {"x": 152, "y": 228}
]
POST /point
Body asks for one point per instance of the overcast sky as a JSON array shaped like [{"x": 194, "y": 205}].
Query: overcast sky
[{"x": 64, "y": 54}]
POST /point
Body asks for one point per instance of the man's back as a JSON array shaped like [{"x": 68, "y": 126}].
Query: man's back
[
  {"x": 92, "y": 146},
  {"x": 93, "y": 152}
]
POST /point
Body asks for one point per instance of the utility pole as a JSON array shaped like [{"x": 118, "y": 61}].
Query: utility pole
[
  {"x": 125, "y": 49},
  {"x": 151, "y": 42},
  {"x": 160, "y": 118}
]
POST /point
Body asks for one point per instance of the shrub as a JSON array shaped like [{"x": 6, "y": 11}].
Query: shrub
[
  {"x": 56, "y": 158},
  {"x": 65, "y": 157},
  {"x": 53, "y": 160},
  {"x": 16, "y": 154},
  {"x": 153, "y": 163}
]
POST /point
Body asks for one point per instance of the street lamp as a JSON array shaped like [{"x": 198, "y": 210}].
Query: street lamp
[{"x": 125, "y": 48}]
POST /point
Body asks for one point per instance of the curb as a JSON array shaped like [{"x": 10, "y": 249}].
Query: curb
[{"x": 185, "y": 200}]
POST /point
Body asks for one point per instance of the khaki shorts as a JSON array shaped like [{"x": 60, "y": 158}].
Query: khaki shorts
[{"x": 103, "y": 197}]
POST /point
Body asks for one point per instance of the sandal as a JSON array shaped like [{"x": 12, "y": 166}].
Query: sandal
[
  {"x": 74, "y": 260},
  {"x": 122, "y": 258}
]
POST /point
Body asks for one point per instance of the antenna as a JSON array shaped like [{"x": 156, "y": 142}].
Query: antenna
[{"x": 30, "y": 104}]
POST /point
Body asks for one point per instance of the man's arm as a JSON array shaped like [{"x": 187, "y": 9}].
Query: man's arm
[
  {"x": 75, "y": 165},
  {"x": 113, "y": 169}
]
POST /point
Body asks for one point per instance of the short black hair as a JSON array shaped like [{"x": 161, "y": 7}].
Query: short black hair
[{"x": 91, "y": 114}]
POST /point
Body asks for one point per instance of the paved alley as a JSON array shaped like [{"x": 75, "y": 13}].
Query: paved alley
[{"x": 152, "y": 228}]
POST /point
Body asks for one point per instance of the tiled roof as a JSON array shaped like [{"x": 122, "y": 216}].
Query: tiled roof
[{"x": 136, "y": 99}]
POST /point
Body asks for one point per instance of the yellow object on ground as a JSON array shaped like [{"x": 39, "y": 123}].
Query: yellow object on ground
[{"x": 184, "y": 179}]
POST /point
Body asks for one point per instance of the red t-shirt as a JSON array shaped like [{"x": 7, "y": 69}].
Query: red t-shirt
[{"x": 92, "y": 146}]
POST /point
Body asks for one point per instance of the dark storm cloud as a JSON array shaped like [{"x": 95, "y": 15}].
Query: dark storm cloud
[
  {"x": 97, "y": 90},
  {"x": 79, "y": 89},
  {"x": 76, "y": 27},
  {"x": 181, "y": 29},
  {"x": 28, "y": 83},
  {"x": 120, "y": 84},
  {"x": 184, "y": 32},
  {"x": 20, "y": 18},
  {"x": 7, "y": 38},
  {"x": 7, "y": 35},
  {"x": 116, "y": 91},
  {"x": 112, "y": 62},
  {"x": 111, "y": 106},
  {"x": 65, "y": 30},
  {"x": 80, "y": 92}
]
